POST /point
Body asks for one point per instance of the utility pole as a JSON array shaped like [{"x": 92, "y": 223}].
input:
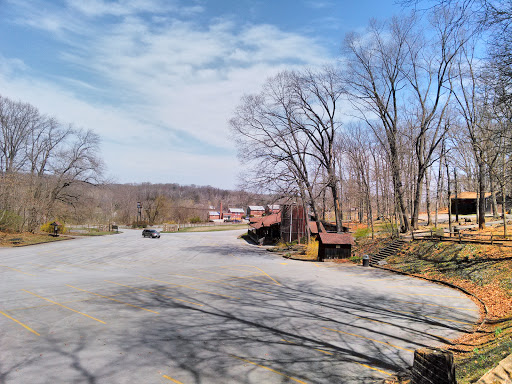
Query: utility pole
[{"x": 139, "y": 208}]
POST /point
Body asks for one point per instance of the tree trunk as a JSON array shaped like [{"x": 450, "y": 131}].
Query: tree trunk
[
  {"x": 481, "y": 201},
  {"x": 427, "y": 197},
  {"x": 398, "y": 190},
  {"x": 449, "y": 200}
]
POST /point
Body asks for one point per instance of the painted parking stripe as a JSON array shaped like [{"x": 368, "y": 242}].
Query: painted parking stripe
[
  {"x": 20, "y": 323},
  {"x": 427, "y": 294},
  {"x": 269, "y": 369},
  {"x": 110, "y": 298},
  {"x": 63, "y": 306},
  {"x": 186, "y": 286},
  {"x": 432, "y": 317},
  {"x": 316, "y": 349},
  {"x": 156, "y": 293},
  {"x": 17, "y": 270},
  {"x": 236, "y": 277},
  {"x": 262, "y": 271},
  {"x": 171, "y": 379},
  {"x": 437, "y": 305},
  {"x": 369, "y": 338},
  {"x": 222, "y": 282},
  {"x": 330, "y": 353}
]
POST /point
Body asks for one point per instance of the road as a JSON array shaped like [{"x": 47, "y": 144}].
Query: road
[{"x": 209, "y": 308}]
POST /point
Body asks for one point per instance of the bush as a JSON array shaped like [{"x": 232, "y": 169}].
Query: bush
[
  {"x": 10, "y": 222},
  {"x": 195, "y": 220},
  {"x": 356, "y": 259},
  {"x": 140, "y": 224},
  {"x": 48, "y": 227},
  {"x": 312, "y": 249}
]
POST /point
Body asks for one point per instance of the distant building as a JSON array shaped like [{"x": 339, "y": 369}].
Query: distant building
[
  {"x": 465, "y": 203},
  {"x": 255, "y": 210},
  {"x": 270, "y": 209},
  {"x": 213, "y": 215},
  {"x": 234, "y": 214}
]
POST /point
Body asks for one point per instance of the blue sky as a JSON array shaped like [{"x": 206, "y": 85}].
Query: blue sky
[{"x": 158, "y": 80}]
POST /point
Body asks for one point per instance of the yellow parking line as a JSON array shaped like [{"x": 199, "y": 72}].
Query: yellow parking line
[
  {"x": 269, "y": 369},
  {"x": 109, "y": 298},
  {"x": 368, "y": 338},
  {"x": 221, "y": 282},
  {"x": 235, "y": 277},
  {"x": 375, "y": 369},
  {"x": 156, "y": 293},
  {"x": 330, "y": 353},
  {"x": 316, "y": 265},
  {"x": 50, "y": 268},
  {"x": 431, "y": 317},
  {"x": 17, "y": 270},
  {"x": 186, "y": 286},
  {"x": 274, "y": 280},
  {"x": 20, "y": 323},
  {"x": 173, "y": 380},
  {"x": 240, "y": 270},
  {"x": 427, "y": 294},
  {"x": 63, "y": 306},
  {"x": 437, "y": 305},
  {"x": 316, "y": 349}
]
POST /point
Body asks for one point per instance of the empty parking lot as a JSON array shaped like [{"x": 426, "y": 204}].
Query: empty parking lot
[{"x": 209, "y": 308}]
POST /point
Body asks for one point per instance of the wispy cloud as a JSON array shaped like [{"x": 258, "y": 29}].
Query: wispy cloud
[{"x": 164, "y": 75}]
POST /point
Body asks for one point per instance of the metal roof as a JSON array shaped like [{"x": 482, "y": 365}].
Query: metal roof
[
  {"x": 213, "y": 213},
  {"x": 256, "y": 208},
  {"x": 236, "y": 210}
]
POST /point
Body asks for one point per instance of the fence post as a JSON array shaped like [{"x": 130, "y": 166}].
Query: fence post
[
  {"x": 412, "y": 234},
  {"x": 460, "y": 237},
  {"x": 491, "y": 239}
]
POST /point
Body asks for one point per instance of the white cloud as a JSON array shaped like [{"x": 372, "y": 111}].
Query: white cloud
[{"x": 177, "y": 82}]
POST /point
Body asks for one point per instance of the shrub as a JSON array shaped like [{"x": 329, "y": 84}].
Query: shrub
[
  {"x": 140, "y": 224},
  {"x": 10, "y": 222},
  {"x": 48, "y": 227},
  {"x": 356, "y": 259},
  {"x": 195, "y": 220},
  {"x": 312, "y": 249}
]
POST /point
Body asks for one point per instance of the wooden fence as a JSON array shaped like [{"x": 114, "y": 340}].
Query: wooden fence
[
  {"x": 462, "y": 237},
  {"x": 177, "y": 227}
]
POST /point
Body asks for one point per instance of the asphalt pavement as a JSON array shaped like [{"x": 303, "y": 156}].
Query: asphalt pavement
[{"x": 207, "y": 308}]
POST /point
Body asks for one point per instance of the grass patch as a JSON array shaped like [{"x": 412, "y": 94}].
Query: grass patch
[
  {"x": 27, "y": 238},
  {"x": 362, "y": 232},
  {"x": 485, "y": 356},
  {"x": 216, "y": 228}
]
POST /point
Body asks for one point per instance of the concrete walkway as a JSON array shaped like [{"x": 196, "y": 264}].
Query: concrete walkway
[{"x": 502, "y": 374}]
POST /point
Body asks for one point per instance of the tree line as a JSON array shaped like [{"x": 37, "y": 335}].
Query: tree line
[
  {"x": 53, "y": 171},
  {"x": 43, "y": 164},
  {"x": 416, "y": 108}
]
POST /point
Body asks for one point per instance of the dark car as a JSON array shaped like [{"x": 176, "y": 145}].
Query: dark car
[{"x": 153, "y": 233}]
